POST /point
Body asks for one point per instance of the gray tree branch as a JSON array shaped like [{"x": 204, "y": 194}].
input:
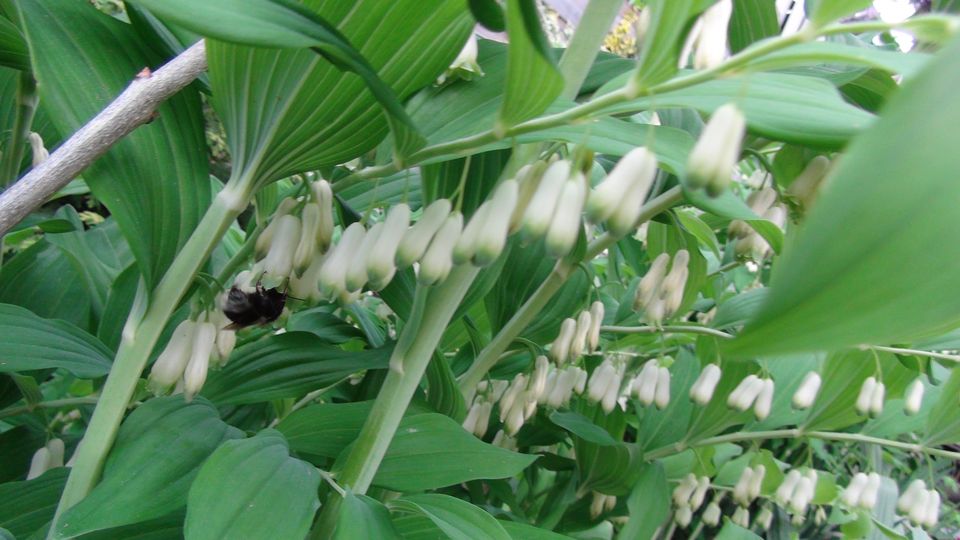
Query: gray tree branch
[{"x": 132, "y": 108}]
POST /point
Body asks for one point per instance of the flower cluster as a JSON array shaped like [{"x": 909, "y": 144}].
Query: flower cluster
[
  {"x": 862, "y": 491},
  {"x": 870, "y": 399},
  {"x": 48, "y": 456},
  {"x": 652, "y": 385},
  {"x": 554, "y": 208},
  {"x": 748, "y": 242},
  {"x": 715, "y": 154},
  {"x": 660, "y": 292},
  {"x": 578, "y": 335},
  {"x": 920, "y": 505},
  {"x": 194, "y": 346},
  {"x": 617, "y": 201},
  {"x": 688, "y": 496},
  {"x": 753, "y": 392},
  {"x": 807, "y": 392},
  {"x": 796, "y": 492}
]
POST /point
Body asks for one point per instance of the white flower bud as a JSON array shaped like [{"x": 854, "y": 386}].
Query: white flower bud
[
  {"x": 39, "y": 152},
  {"x": 304, "y": 286},
  {"x": 279, "y": 260},
  {"x": 39, "y": 463},
  {"x": 565, "y": 226},
  {"x": 699, "y": 494},
  {"x": 515, "y": 417},
  {"x": 785, "y": 491},
  {"x": 662, "y": 395},
  {"x": 741, "y": 491},
  {"x": 195, "y": 374},
  {"x": 356, "y": 276},
  {"x": 470, "y": 422},
  {"x": 600, "y": 381},
  {"x": 645, "y": 385},
  {"x": 56, "y": 450},
  {"x": 581, "y": 383},
  {"x": 539, "y": 212},
  {"x": 756, "y": 482},
  {"x": 871, "y": 492},
  {"x": 466, "y": 246},
  {"x": 579, "y": 341},
  {"x": 711, "y": 516},
  {"x": 764, "y": 400},
  {"x": 438, "y": 259},
  {"x": 802, "y": 495},
  {"x": 528, "y": 180},
  {"x": 493, "y": 236},
  {"x": 807, "y": 392},
  {"x": 465, "y": 65},
  {"x": 323, "y": 195},
  {"x": 226, "y": 341},
  {"x": 717, "y": 151},
  {"x": 852, "y": 494},
  {"x": 416, "y": 240},
  {"x": 876, "y": 399},
  {"x": 804, "y": 186},
  {"x": 914, "y": 398},
  {"x": 650, "y": 284},
  {"x": 262, "y": 245},
  {"x": 381, "y": 263},
  {"x": 510, "y": 396},
  {"x": 560, "y": 348},
  {"x": 623, "y": 190},
  {"x": 483, "y": 419},
  {"x": 764, "y": 518},
  {"x": 596, "y": 320},
  {"x": 538, "y": 381},
  {"x": 684, "y": 490},
  {"x": 683, "y": 516},
  {"x": 168, "y": 368},
  {"x": 307, "y": 246},
  {"x": 702, "y": 390},
  {"x": 333, "y": 273},
  {"x": 745, "y": 393},
  {"x": 677, "y": 276},
  {"x": 906, "y": 500},
  {"x": 866, "y": 395},
  {"x": 741, "y": 517},
  {"x": 505, "y": 441},
  {"x": 711, "y": 47},
  {"x": 759, "y": 201},
  {"x": 597, "y": 504},
  {"x": 932, "y": 514},
  {"x": 609, "y": 400},
  {"x": 919, "y": 508}
]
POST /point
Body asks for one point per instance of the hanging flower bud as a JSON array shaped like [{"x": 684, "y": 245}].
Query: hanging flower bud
[
  {"x": 623, "y": 191},
  {"x": 699, "y": 494},
  {"x": 906, "y": 500},
  {"x": 226, "y": 341},
  {"x": 764, "y": 518},
  {"x": 755, "y": 485},
  {"x": 741, "y": 491},
  {"x": 662, "y": 395},
  {"x": 764, "y": 400},
  {"x": 168, "y": 368},
  {"x": 483, "y": 419},
  {"x": 918, "y": 511},
  {"x": 711, "y": 47},
  {"x": 600, "y": 380},
  {"x": 565, "y": 226},
  {"x": 470, "y": 422},
  {"x": 466, "y": 246},
  {"x": 516, "y": 415},
  {"x": 265, "y": 240},
  {"x": 807, "y": 391},
  {"x": 612, "y": 393},
  {"x": 560, "y": 349},
  {"x": 540, "y": 211},
  {"x": 323, "y": 195},
  {"x": 504, "y": 441},
  {"x": 759, "y": 201},
  {"x": 538, "y": 381},
  {"x": 871, "y": 492},
  {"x": 683, "y": 516},
  {"x": 932, "y": 514},
  {"x": 438, "y": 259},
  {"x": 649, "y": 286},
  {"x": 914, "y": 397},
  {"x": 279, "y": 260},
  {"x": 785, "y": 491},
  {"x": 493, "y": 235},
  {"x": 528, "y": 180},
  {"x": 333, "y": 273},
  {"x": 307, "y": 246},
  {"x": 356, "y": 276},
  {"x": 579, "y": 341},
  {"x": 465, "y": 65},
  {"x": 304, "y": 286},
  {"x": 673, "y": 285},
  {"x": 645, "y": 385},
  {"x": 802, "y": 495},
  {"x": 866, "y": 395},
  {"x": 702, "y": 390},
  {"x": 39, "y": 152},
  {"x": 851, "y": 495},
  {"x": 745, "y": 393},
  {"x": 876, "y": 399},
  {"x": 711, "y": 516},
  {"x": 684, "y": 490},
  {"x": 599, "y": 503},
  {"x": 581, "y": 383},
  {"x": 717, "y": 151},
  {"x": 381, "y": 260},
  {"x": 416, "y": 240},
  {"x": 40, "y": 463},
  {"x": 741, "y": 517},
  {"x": 804, "y": 187},
  {"x": 596, "y": 320},
  {"x": 195, "y": 374}
]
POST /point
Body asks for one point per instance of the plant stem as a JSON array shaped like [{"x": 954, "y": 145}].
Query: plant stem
[
  {"x": 585, "y": 44},
  {"x": 899, "y": 350},
  {"x": 677, "y": 329},
  {"x": 797, "y": 433},
  {"x": 52, "y": 404},
  {"x": 139, "y": 338},
  {"x": 26, "y": 103},
  {"x": 729, "y": 266},
  {"x": 432, "y": 312}
]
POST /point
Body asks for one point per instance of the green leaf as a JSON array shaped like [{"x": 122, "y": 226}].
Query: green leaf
[
  {"x": 649, "y": 503},
  {"x": 732, "y": 531},
  {"x": 818, "y": 117},
  {"x": 821, "y": 12},
  {"x": 159, "y": 450},
  {"x": 695, "y": 226},
  {"x": 670, "y": 20},
  {"x": 458, "y": 519},
  {"x": 529, "y": 65},
  {"x": 363, "y": 517},
  {"x": 17, "y": 446},
  {"x": 443, "y": 393},
  {"x": 825, "y": 52},
  {"x": 843, "y": 375},
  {"x": 252, "y": 488},
  {"x": 286, "y": 365},
  {"x": 168, "y": 527},
  {"x": 751, "y": 21},
  {"x": 739, "y": 309},
  {"x": 943, "y": 425},
  {"x": 288, "y": 111},
  {"x": 13, "y": 50},
  {"x": 154, "y": 181},
  {"x": 878, "y": 277},
  {"x": 29, "y": 505},
  {"x": 582, "y": 427},
  {"x": 522, "y": 531},
  {"x": 430, "y": 451},
  {"x": 32, "y": 343},
  {"x": 489, "y": 14}
]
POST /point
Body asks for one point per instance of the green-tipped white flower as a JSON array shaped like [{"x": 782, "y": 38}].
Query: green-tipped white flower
[
  {"x": 787, "y": 487},
  {"x": 579, "y": 342},
  {"x": 333, "y": 273},
  {"x": 538, "y": 379},
  {"x": 871, "y": 492},
  {"x": 683, "y": 515},
  {"x": 539, "y": 213},
  {"x": 699, "y": 494},
  {"x": 226, "y": 341},
  {"x": 381, "y": 259},
  {"x": 323, "y": 195},
  {"x": 711, "y": 46},
  {"x": 356, "y": 276},
  {"x": 566, "y": 225},
  {"x": 851, "y": 495},
  {"x": 265, "y": 240},
  {"x": 596, "y": 320},
  {"x": 466, "y": 246},
  {"x": 741, "y": 490},
  {"x": 493, "y": 235},
  {"x": 600, "y": 381},
  {"x": 759, "y": 201},
  {"x": 702, "y": 390},
  {"x": 765, "y": 518},
  {"x": 802, "y": 495},
  {"x": 304, "y": 286},
  {"x": 756, "y": 481},
  {"x": 764, "y": 404},
  {"x": 465, "y": 65},
  {"x": 528, "y": 181},
  {"x": 876, "y": 399},
  {"x": 717, "y": 151},
  {"x": 805, "y": 186},
  {"x": 711, "y": 516},
  {"x": 807, "y": 392},
  {"x": 168, "y": 368},
  {"x": 645, "y": 385},
  {"x": 612, "y": 393},
  {"x": 741, "y": 517},
  {"x": 39, "y": 152},
  {"x": 307, "y": 246},
  {"x": 745, "y": 393},
  {"x": 684, "y": 490},
  {"x": 195, "y": 374},
  {"x": 907, "y": 498},
  {"x": 417, "y": 239},
  {"x": 436, "y": 263},
  {"x": 662, "y": 395},
  {"x": 633, "y": 173},
  {"x": 278, "y": 263},
  {"x": 649, "y": 287},
  {"x": 560, "y": 348},
  {"x": 511, "y": 395},
  {"x": 866, "y": 395},
  {"x": 914, "y": 397}
]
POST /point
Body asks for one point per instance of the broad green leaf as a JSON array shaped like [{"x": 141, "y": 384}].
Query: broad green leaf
[
  {"x": 529, "y": 65},
  {"x": 943, "y": 425},
  {"x": 870, "y": 90},
  {"x": 13, "y": 50},
  {"x": 443, "y": 393},
  {"x": 582, "y": 427},
  {"x": 670, "y": 20},
  {"x": 363, "y": 517},
  {"x": 442, "y": 180},
  {"x": 825, "y": 52},
  {"x": 716, "y": 417},
  {"x": 17, "y": 446},
  {"x": 430, "y": 451},
  {"x": 286, "y": 365},
  {"x": 842, "y": 375},
  {"x": 488, "y": 13},
  {"x": 168, "y": 527},
  {"x": 522, "y": 531},
  {"x": 658, "y": 428},
  {"x": 867, "y": 264},
  {"x": 289, "y": 111},
  {"x": 458, "y": 519},
  {"x": 252, "y": 488},
  {"x": 751, "y": 21},
  {"x": 739, "y": 309},
  {"x": 818, "y": 117},
  {"x": 821, "y": 12},
  {"x": 120, "y": 298},
  {"x": 154, "y": 181},
  {"x": 648, "y": 503},
  {"x": 159, "y": 450},
  {"x": 29, "y": 505},
  {"x": 695, "y": 226},
  {"x": 32, "y": 343},
  {"x": 732, "y": 531},
  {"x": 323, "y": 324}
]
